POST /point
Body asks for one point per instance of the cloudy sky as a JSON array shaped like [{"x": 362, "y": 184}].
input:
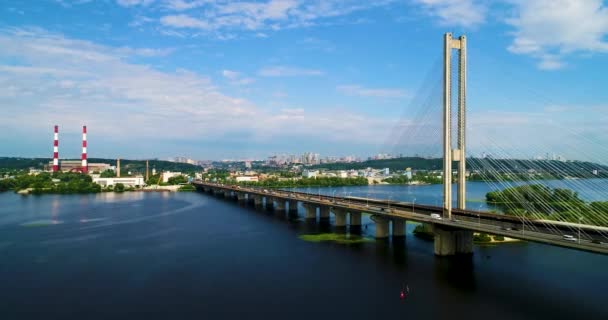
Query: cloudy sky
[{"x": 224, "y": 79}]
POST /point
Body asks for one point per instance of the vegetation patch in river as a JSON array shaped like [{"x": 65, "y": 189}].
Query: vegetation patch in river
[
  {"x": 41, "y": 223},
  {"x": 334, "y": 237}
]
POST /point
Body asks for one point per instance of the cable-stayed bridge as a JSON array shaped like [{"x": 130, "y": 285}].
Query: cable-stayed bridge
[{"x": 556, "y": 217}]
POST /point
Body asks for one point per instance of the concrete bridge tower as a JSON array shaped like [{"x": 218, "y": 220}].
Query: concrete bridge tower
[
  {"x": 450, "y": 241},
  {"x": 454, "y": 155}
]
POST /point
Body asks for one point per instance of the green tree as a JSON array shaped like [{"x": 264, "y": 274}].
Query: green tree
[
  {"x": 119, "y": 187},
  {"x": 177, "y": 180},
  {"x": 108, "y": 174}
]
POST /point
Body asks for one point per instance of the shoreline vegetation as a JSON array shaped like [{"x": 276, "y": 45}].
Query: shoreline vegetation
[
  {"x": 542, "y": 202},
  {"x": 77, "y": 183}
]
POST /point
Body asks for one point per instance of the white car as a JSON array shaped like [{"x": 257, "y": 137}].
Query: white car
[
  {"x": 436, "y": 216},
  {"x": 568, "y": 237}
]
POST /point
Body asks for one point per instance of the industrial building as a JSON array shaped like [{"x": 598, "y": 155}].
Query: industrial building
[
  {"x": 127, "y": 181},
  {"x": 76, "y": 165}
]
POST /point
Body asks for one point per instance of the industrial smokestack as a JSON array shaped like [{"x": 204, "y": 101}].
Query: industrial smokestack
[
  {"x": 147, "y": 171},
  {"x": 118, "y": 168},
  {"x": 56, "y": 150},
  {"x": 85, "y": 167}
]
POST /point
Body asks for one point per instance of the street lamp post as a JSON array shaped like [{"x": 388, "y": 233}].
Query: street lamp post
[
  {"x": 523, "y": 224},
  {"x": 413, "y": 202},
  {"x": 579, "y": 229}
]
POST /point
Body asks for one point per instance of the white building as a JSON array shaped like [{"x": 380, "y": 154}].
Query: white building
[
  {"x": 408, "y": 173},
  {"x": 127, "y": 181},
  {"x": 168, "y": 174},
  {"x": 310, "y": 173},
  {"x": 247, "y": 178},
  {"x": 342, "y": 174}
]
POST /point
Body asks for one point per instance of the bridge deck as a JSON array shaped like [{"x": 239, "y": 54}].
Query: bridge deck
[{"x": 542, "y": 231}]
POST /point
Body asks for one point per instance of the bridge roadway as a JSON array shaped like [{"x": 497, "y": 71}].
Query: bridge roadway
[{"x": 547, "y": 232}]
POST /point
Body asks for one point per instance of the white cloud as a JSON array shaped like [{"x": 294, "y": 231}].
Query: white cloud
[
  {"x": 285, "y": 71},
  {"x": 180, "y": 5},
  {"x": 184, "y": 21},
  {"x": 357, "y": 90},
  {"x": 549, "y": 30},
  {"x": 236, "y": 78},
  {"x": 68, "y": 81},
  {"x": 259, "y": 15},
  {"x": 132, "y": 3},
  {"x": 464, "y": 13}
]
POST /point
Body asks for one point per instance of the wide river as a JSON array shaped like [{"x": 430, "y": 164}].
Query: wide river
[{"x": 191, "y": 255}]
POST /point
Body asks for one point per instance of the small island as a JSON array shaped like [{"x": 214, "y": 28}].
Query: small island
[{"x": 542, "y": 202}]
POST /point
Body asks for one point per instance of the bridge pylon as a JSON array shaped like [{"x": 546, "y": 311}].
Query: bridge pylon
[{"x": 451, "y": 154}]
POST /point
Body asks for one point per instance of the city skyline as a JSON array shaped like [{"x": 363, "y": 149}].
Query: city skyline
[{"x": 160, "y": 78}]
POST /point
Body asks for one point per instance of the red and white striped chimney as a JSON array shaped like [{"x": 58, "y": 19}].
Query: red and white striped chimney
[
  {"x": 56, "y": 150},
  {"x": 85, "y": 167}
]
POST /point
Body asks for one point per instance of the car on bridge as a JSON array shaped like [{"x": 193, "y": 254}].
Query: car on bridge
[
  {"x": 436, "y": 216},
  {"x": 568, "y": 237}
]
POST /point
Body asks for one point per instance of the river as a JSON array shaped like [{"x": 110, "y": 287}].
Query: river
[{"x": 190, "y": 255}]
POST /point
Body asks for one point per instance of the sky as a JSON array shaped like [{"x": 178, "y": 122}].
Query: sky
[{"x": 223, "y": 79}]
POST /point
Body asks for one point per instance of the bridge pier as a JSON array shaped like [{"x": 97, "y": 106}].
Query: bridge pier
[
  {"x": 451, "y": 241},
  {"x": 324, "y": 214},
  {"x": 340, "y": 221},
  {"x": 219, "y": 193},
  {"x": 250, "y": 200},
  {"x": 293, "y": 207},
  {"x": 268, "y": 204},
  {"x": 279, "y": 205},
  {"x": 257, "y": 200},
  {"x": 382, "y": 230},
  {"x": 398, "y": 228},
  {"x": 355, "y": 222},
  {"x": 310, "y": 211},
  {"x": 240, "y": 197}
]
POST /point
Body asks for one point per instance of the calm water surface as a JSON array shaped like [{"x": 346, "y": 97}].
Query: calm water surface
[{"x": 189, "y": 255}]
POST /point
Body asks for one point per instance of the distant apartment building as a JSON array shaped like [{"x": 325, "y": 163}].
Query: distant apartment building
[{"x": 408, "y": 173}]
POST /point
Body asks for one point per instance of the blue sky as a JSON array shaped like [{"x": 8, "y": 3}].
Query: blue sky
[{"x": 224, "y": 79}]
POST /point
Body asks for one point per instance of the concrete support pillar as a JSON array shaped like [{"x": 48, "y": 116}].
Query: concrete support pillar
[
  {"x": 269, "y": 205},
  {"x": 449, "y": 241},
  {"x": 310, "y": 211},
  {"x": 279, "y": 205},
  {"x": 382, "y": 230},
  {"x": 257, "y": 200},
  {"x": 398, "y": 228},
  {"x": 293, "y": 206},
  {"x": 240, "y": 197},
  {"x": 324, "y": 212},
  {"x": 355, "y": 219},
  {"x": 340, "y": 217}
]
